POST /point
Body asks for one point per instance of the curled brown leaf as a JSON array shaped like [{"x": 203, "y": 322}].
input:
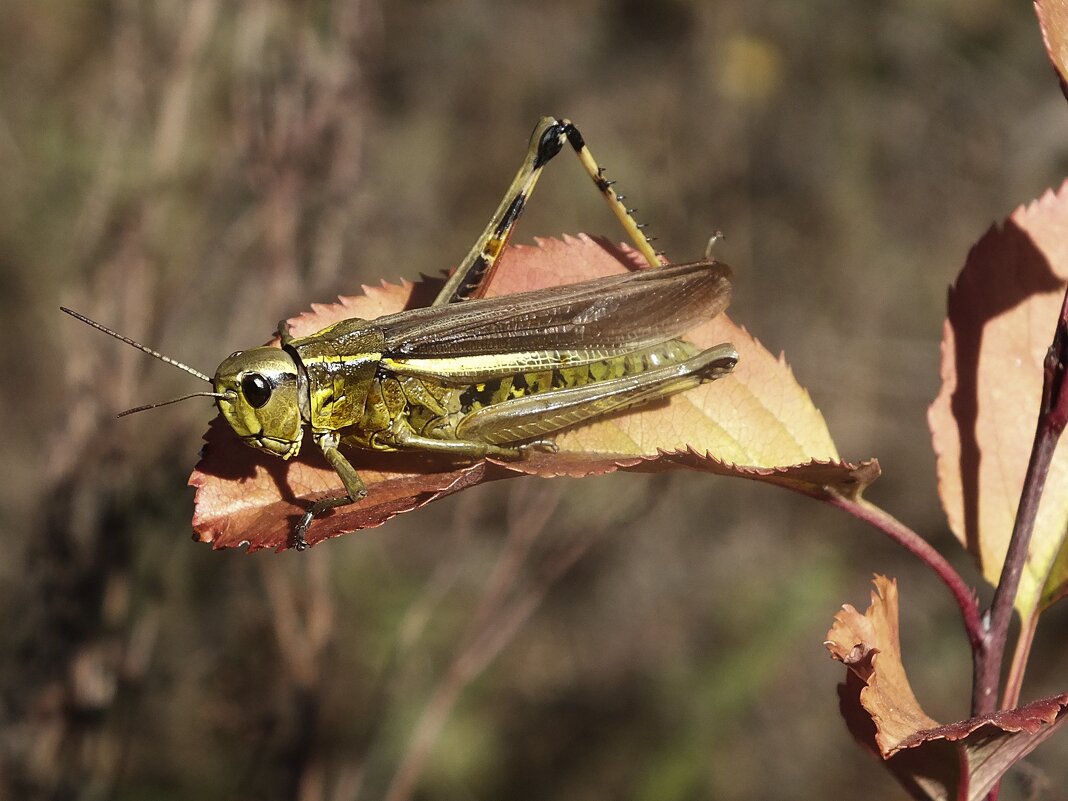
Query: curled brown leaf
[{"x": 932, "y": 761}]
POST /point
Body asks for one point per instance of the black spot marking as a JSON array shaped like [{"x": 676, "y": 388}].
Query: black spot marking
[
  {"x": 477, "y": 396},
  {"x": 515, "y": 208},
  {"x": 520, "y": 387}
]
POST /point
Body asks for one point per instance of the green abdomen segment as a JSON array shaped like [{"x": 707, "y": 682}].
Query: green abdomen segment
[
  {"x": 562, "y": 376},
  {"x": 529, "y": 405}
]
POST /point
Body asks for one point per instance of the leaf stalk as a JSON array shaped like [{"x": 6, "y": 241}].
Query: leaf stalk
[{"x": 922, "y": 550}]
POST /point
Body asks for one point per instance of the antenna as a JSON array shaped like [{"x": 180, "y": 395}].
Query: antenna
[
  {"x": 176, "y": 400},
  {"x": 157, "y": 355},
  {"x": 144, "y": 349}
]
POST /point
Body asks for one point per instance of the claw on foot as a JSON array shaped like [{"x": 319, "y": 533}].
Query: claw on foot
[{"x": 297, "y": 542}]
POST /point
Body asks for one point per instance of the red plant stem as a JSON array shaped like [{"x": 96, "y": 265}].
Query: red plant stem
[
  {"x": 924, "y": 551},
  {"x": 1052, "y": 417}
]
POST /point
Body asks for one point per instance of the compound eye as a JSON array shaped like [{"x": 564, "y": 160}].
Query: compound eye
[{"x": 256, "y": 389}]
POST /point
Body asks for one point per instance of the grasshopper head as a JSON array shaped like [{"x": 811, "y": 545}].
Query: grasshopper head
[{"x": 259, "y": 397}]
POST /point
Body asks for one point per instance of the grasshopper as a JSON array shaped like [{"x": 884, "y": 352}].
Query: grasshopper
[{"x": 468, "y": 376}]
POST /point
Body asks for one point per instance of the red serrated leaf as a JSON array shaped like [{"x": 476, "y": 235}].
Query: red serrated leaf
[
  {"x": 1002, "y": 313},
  {"x": 961, "y": 760},
  {"x": 757, "y": 423}
]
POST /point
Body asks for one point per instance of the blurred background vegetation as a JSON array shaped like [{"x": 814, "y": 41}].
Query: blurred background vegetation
[{"x": 191, "y": 171}]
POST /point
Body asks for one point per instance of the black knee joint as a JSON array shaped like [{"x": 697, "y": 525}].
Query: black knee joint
[
  {"x": 550, "y": 143},
  {"x": 574, "y": 138}
]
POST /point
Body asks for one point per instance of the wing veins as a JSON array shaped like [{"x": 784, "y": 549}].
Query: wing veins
[{"x": 630, "y": 310}]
